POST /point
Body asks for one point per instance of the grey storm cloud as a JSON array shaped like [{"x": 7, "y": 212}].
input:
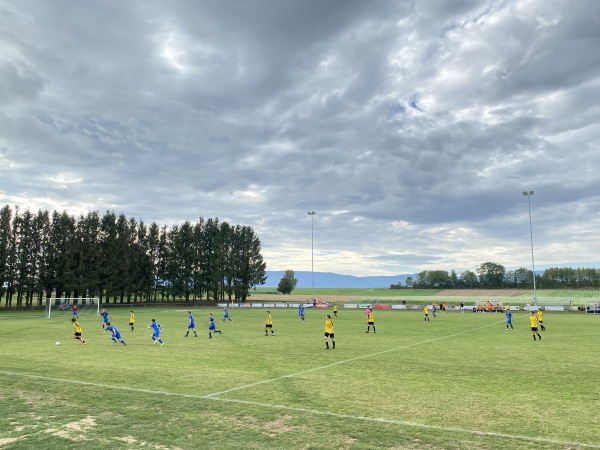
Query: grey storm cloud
[{"x": 410, "y": 127}]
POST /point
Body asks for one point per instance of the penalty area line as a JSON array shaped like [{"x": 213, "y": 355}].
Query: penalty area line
[{"x": 398, "y": 422}]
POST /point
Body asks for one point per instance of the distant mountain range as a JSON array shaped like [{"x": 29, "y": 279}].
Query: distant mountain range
[{"x": 335, "y": 280}]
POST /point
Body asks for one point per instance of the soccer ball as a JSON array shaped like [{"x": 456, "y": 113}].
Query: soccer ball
[{"x": 57, "y": 343}]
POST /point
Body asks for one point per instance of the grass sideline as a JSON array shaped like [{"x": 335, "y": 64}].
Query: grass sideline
[{"x": 459, "y": 381}]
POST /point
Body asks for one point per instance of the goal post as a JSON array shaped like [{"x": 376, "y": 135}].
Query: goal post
[{"x": 64, "y": 306}]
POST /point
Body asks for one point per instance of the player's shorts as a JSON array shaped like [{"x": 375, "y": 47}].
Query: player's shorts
[
  {"x": 226, "y": 316},
  {"x": 118, "y": 336},
  {"x": 329, "y": 335},
  {"x": 269, "y": 325},
  {"x": 212, "y": 326},
  {"x": 192, "y": 325},
  {"x": 533, "y": 328},
  {"x": 426, "y": 314},
  {"x": 156, "y": 335},
  {"x": 370, "y": 323},
  {"x": 77, "y": 335},
  {"x": 130, "y": 324}
]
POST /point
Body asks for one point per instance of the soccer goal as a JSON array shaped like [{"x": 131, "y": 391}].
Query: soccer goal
[
  {"x": 489, "y": 306},
  {"x": 68, "y": 306},
  {"x": 592, "y": 307}
]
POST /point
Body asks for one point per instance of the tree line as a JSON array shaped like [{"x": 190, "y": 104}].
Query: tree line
[
  {"x": 123, "y": 259},
  {"x": 490, "y": 275}
]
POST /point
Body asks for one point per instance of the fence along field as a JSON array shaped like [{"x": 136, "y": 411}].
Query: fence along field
[{"x": 459, "y": 381}]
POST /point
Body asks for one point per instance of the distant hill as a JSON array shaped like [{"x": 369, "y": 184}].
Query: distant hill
[{"x": 335, "y": 280}]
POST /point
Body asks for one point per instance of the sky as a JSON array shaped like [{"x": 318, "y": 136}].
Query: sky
[{"x": 410, "y": 128}]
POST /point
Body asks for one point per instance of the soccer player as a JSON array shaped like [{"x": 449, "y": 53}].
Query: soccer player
[
  {"x": 156, "y": 329},
  {"x": 533, "y": 322},
  {"x": 75, "y": 312},
  {"x": 115, "y": 334},
  {"x": 131, "y": 319},
  {"x": 211, "y": 326},
  {"x": 540, "y": 318},
  {"x": 370, "y": 322},
  {"x": 191, "y": 325},
  {"x": 509, "y": 320},
  {"x": 462, "y": 307},
  {"x": 301, "y": 311},
  {"x": 226, "y": 314},
  {"x": 433, "y": 308},
  {"x": 77, "y": 332},
  {"x": 426, "y": 312},
  {"x": 269, "y": 324},
  {"x": 105, "y": 315},
  {"x": 329, "y": 334},
  {"x": 334, "y": 310}
]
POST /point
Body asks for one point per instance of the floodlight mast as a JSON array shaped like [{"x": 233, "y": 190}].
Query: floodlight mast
[
  {"x": 528, "y": 194},
  {"x": 312, "y": 253}
]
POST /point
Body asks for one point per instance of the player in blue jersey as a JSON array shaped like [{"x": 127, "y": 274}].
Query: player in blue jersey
[
  {"x": 433, "y": 309},
  {"x": 509, "y": 320},
  {"x": 226, "y": 314},
  {"x": 211, "y": 326},
  {"x": 191, "y": 325},
  {"x": 105, "y": 315},
  {"x": 115, "y": 334},
  {"x": 156, "y": 329},
  {"x": 301, "y": 311}
]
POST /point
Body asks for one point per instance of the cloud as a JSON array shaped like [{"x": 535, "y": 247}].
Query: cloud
[{"x": 411, "y": 128}]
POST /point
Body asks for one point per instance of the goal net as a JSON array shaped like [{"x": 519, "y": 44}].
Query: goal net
[
  {"x": 72, "y": 307},
  {"x": 592, "y": 307}
]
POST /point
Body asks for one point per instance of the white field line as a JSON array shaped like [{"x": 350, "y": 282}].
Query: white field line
[
  {"x": 313, "y": 411},
  {"x": 314, "y": 369}
]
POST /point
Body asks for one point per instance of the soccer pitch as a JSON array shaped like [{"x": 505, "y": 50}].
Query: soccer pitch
[{"x": 458, "y": 381}]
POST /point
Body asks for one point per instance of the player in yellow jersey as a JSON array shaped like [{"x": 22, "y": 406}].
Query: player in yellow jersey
[
  {"x": 77, "y": 332},
  {"x": 131, "y": 319},
  {"x": 329, "y": 334},
  {"x": 269, "y": 324},
  {"x": 426, "y": 313},
  {"x": 370, "y": 322},
  {"x": 335, "y": 310},
  {"x": 540, "y": 318},
  {"x": 533, "y": 322}
]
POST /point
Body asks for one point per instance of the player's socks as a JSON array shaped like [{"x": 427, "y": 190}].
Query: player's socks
[
  {"x": 326, "y": 345},
  {"x": 333, "y": 342},
  {"x": 534, "y": 337},
  {"x": 540, "y": 336}
]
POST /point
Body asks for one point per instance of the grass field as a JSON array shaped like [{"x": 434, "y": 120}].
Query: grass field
[{"x": 459, "y": 381}]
